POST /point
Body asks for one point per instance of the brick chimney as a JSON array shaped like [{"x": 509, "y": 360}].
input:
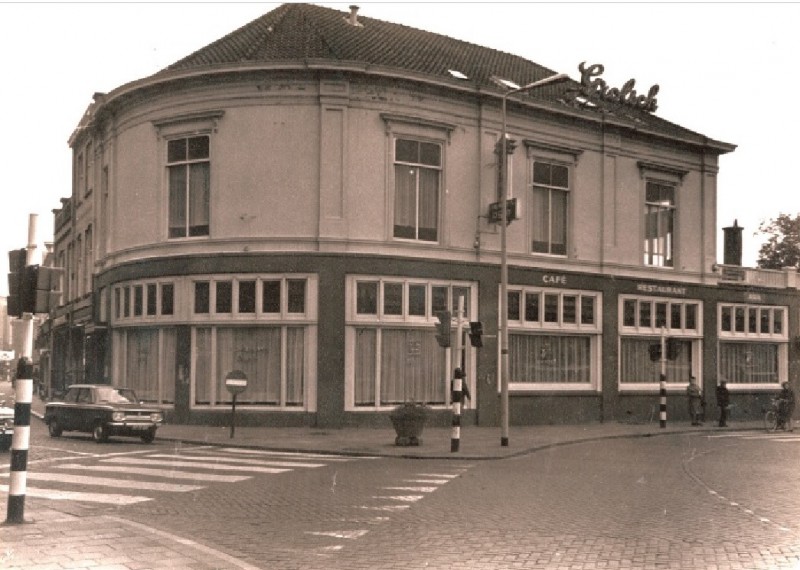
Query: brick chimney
[{"x": 732, "y": 254}]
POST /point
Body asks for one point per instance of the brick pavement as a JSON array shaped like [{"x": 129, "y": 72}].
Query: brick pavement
[{"x": 51, "y": 539}]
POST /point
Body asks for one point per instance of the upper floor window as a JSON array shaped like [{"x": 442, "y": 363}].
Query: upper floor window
[
  {"x": 550, "y": 201},
  {"x": 417, "y": 179},
  {"x": 659, "y": 214},
  {"x": 188, "y": 165}
]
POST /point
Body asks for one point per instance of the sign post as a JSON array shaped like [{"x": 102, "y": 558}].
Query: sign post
[{"x": 235, "y": 382}]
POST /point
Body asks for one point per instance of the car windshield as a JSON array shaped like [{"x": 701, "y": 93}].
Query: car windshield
[{"x": 116, "y": 395}]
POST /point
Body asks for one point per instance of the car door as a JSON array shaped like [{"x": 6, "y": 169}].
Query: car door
[
  {"x": 84, "y": 410},
  {"x": 64, "y": 413}
]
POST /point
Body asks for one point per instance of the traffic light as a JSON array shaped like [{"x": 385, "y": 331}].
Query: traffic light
[
  {"x": 511, "y": 146},
  {"x": 475, "y": 332},
  {"x": 443, "y": 328},
  {"x": 673, "y": 348},
  {"x": 655, "y": 351},
  {"x": 45, "y": 288},
  {"x": 16, "y": 273}
]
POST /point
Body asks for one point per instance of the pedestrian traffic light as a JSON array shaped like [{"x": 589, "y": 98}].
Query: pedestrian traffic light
[
  {"x": 673, "y": 348},
  {"x": 16, "y": 273},
  {"x": 443, "y": 328},
  {"x": 655, "y": 351},
  {"x": 475, "y": 332}
]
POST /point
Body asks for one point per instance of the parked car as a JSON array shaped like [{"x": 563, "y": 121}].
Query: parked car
[
  {"x": 104, "y": 411},
  {"x": 6, "y": 424}
]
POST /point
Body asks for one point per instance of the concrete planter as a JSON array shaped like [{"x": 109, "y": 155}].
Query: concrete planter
[{"x": 409, "y": 420}]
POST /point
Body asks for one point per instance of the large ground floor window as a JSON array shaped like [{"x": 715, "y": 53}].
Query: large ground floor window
[
  {"x": 392, "y": 354},
  {"x": 398, "y": 365},
  {"x": 639, "y": 370},
  {"x": 752, "y": 363},
  {"x": 145, "y": 362},
  {"x": 560, "y": 360},
  {"x": 554, "y": 339},
  {"x": 276, "y": 360}
]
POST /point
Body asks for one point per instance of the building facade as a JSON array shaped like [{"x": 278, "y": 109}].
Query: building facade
[{"x": 301, "y": 198}]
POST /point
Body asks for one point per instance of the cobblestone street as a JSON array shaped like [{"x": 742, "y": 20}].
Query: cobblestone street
[{"x": 708, "y": 499}]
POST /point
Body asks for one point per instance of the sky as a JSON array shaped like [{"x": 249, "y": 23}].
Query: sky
[{"x": 725, "y": 70}]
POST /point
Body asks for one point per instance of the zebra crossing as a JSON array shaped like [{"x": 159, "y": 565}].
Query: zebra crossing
[{"x": 144, "y": 476}]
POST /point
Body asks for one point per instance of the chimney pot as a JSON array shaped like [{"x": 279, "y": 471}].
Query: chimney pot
[{"x": 354, "y": 15}]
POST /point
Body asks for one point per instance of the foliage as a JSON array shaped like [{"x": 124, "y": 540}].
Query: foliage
[{"x": 782, "y": 248}]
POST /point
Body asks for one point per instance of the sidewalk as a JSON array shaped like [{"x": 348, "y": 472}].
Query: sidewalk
[{"x": 475, "y": 442}]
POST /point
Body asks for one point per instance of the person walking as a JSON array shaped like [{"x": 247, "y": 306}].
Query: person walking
[
  {"x": 694, "y": 400},
  {"x": 724, "y": 402}
]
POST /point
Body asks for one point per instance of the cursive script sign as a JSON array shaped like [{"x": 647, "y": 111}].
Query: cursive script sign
[{"x": 593, "y": 87}]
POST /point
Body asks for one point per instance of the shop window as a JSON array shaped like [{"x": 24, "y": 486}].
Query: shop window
[
  {"x": 392, "y": 352},
  {"x": 643, "y": 323},
  {"x": 636, "y": 366},
  {"x": 145, "y": 362}
]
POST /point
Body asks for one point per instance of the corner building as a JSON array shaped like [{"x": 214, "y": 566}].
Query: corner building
[{"x": 298, "y": 199}]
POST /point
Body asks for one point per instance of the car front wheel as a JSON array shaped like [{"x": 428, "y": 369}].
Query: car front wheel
[
  {"x": 99, "y": 433},
  {"x": 54, "y": 428}
]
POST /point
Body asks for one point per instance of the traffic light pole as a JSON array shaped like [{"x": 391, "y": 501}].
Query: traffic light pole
[
  {"x": 663, "y": 381},
  {"x": 22, "y": 406},
  {"x": 458, "y": 380}
]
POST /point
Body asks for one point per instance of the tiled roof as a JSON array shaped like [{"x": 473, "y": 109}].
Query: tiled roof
[{"x": 297, "y": 32}]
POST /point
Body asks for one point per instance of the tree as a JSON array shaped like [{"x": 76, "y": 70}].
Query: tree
[{"x": 782, "y": 248}]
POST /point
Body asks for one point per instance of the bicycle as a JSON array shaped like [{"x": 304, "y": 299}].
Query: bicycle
[{"x": 772, "y": 416}]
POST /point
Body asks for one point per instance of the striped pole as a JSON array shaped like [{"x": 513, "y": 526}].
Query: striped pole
[
  {"x": 458, "y": 380},
  {"x": 20, "y": 442},
  {"x": 18, "y": 477},
  {"x": 455, "y": 438},
  {"x": 663, "y": 382}
]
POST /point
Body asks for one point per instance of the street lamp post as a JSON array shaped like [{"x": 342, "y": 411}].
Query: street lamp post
[{"x": 504, "y": 252}]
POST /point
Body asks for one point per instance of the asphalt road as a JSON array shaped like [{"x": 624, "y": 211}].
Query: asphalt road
[{"x": 680, "y": 501}]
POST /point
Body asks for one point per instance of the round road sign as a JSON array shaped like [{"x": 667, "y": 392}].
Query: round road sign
[{"x": 236, "y": 381}]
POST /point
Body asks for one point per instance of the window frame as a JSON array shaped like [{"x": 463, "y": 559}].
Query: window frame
[
  {"x": 567, "y": 191},
  {"x": 381, "y": 320},
  {"x": 648, "y": 250},
  {"x": 558, "y": 328},
  {"x": 746, "y": 336},
  {"x": 652, "y": 333},
  {"x": 418, "y": 167},
  {"x": 186, "y": 164}
]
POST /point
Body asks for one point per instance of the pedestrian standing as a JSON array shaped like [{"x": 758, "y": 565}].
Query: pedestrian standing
[
  {"x": 694, "y": 399},
  {"x": 724, "y": 403},
  {"x": 785, "y": 407}
]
